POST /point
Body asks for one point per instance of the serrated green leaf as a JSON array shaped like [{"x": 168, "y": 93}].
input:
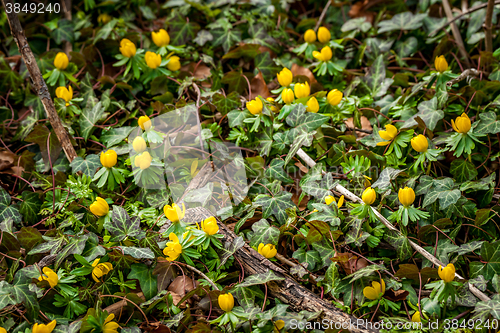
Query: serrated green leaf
[
  {"x": 310, "y": 257},
  {"x": 428, "y": 112},
  {"x": 275, "y": 205},
  {"x": 264, "y": 233},
  {"x": 224, "y": 104},
  {"x": 121, "y": 225},
  {"x": 87, "y": 166}
]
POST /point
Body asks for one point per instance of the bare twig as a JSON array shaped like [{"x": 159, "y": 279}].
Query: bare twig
[
  {"x": 322, "y": 16},
  {"x": 488, "y": 33},
  {"x": 201, "y": 273},
  {"x": 466, "y": 74},
  {"x": 456, "y": 33}
]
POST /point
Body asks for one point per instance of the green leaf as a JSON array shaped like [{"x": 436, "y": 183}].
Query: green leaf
[
  {"x": 264, "y": 233},
  {"x": 147, "y": 280},
  {"x": 245, "y": 50},
  {"x": 236, "y": 117},
  {"x": 121, "y": 225},
  {"x": 463, "y": 170},
  {"x": 229, "y": 249},
  {"x": 8, "y": 212},
  {"x": 384, "y": 180},
  {"x": 406, "y": 48},
  {"x": 365, "y": 272},
  {"x": 29, "y": 237},
  {"x": 138, "y": 252},
  {"x": 76, "y": 245},
  {"x": 402, "y": 21},
  {"x": 226, "y": 38},
  {"x": 182, "y": 31},
  {"x": 40, "y": 136},
  {"x": 23, "y": 292},
  {"x": 400, "y": 242},
  {"x": 92, "y": 112},
  {"x": 310, "y": 257},
  {"x": 428, "y": 112},
  {"x": 246, "y": 296},
  {"x": 325, "y": 251},
  {"x": 158, "y": 198},
  {"x": 260, "y": 278},
  {"x": 236, "y": 81},
  {"x": 275, "y": 205},
  {"x": 116, "y": 135},
  {"x": 485, "y": 309},
  {"x": 490, "y": 261},
  {"x": 266, "y": 65},
  {"x": 443, "y": 190},
  {"x": 87, "y": 166},
  {"x": 64, "y": 31},
  {"x": 276, "y": 171},
  {"x": 105, "y": 31},
  {"x": 376, "y": 78},
  {"x": 30, "y": 207},
  {"x": 226, "y": 104},
  {"x": 488, "y": 123},
  {"x": 310, "y": 121}
]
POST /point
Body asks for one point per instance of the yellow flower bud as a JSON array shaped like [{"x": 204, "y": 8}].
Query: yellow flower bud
[
  {"x": 389, "y": 134},
  {"x": 174, "y": 248},
  {"x": 334, "y": 97},
  {"x": 272, "y": 106},
  {"x": 61, "y": 61},
  {"x": 100, "y": 269},
  {"x": 369, "y": 196},
  {"x": 174, "y": 213},
  {"x": 139, "y": 144},
  {"x": 441, "y": 64},
  {"x": 44, "y": 328},
  {"x": 65, "y": 93},
  {"x": 325, "y": 54},
  {"x": 447, "y": 274},
  {"x": 143, "y": 161},
  {"x": 210, "y": 226},
  {"x": 461, "y": 124},
  {"x": 287, "y": 96},
  {"x": 376, "y": 291},
  {"x": 406, "y": 196},
  {"x": 174, "y": 64},
  {"x": 268, "y": 250},
  {"x": 50, "y": 276},
  {"x": 255, "y": 106},
  {"x": 144, "y": 122},
  {"x": 153, "y": 60},
  {"x": 416, "y": 317},
  {"x": 161, "y": 38},
  {"x": 104, "y": 18},
  {"x": 420, "y": 143},
  {"x": 310, "y": 36},
  {"x": 108, "y": 158},
  {"x": 312, "y": 105},
  {"x": 302, "y": 89},
  {"x": 285, "y": 77},
  {"x": 100, "y": 207},
  {"x": 127, "y": 48},
  {"x": 330, "y": 198},
  {"x": 226, "y": 302},
  {"x": 278, "y": 325},
  {"x": 3, "y": 330},
  {"x": 324, "y": 35}
]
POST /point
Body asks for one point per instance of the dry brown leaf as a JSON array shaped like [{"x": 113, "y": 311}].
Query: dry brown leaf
[
  {"x": 182, "y": 285},
  {"x": 365, "y": 124},
  {"x": 349, "y": 262},
  {"x": 7, "y": 159},
  {"x": 259, "y": 87},
  {"x": 302, "y": 71},
  {"x": 396, "y": 295}
]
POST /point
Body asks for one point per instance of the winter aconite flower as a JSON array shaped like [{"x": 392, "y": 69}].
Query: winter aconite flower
[
  {"x": 447, "y": 274},
  {"x": 226, "y": 302},
  {"x": 461, "y": 124},
  {"x": 268, "y": 250},
  {"x": 108, "y": 158},
  {"x": 100, "y": 269},
  {"x": 325, "y": 54},
  {"x": 209, "y": 226},
  {"x": 173, "y": 249},
  {"x": 50, "y": 276},
  {"x": 312, "y": 105},
  {"x": 100, "y": 207},
  {"x": 139, "y": 144},
  {"x": 144, "y": 122},
  {"x": 310, "y": 36},
  {"x": 287, "y": 96},
  {"x": 324, "y": 35},
  {"x": 334, "y": 97},
  {"x": 419, "y": 143},
  {"x": 104, "y": 18},
  {"x": 3, "y": 330},
  {"x": 406, "y": 196},
  {"x": 44, "y": 328},
  {"x": 255, "y": 106},
  {"x": 174, "y": 213},
  {"x": 278, "y": 325},
  {"x": 285, "y": 77},
  {"x": 61, "y": 61},
  {"x": 330, "y": 198},
  {"x": 65, "y": 93},
  {"x": 302, "y": 90},
  {"x": 127, "y": 48},
  {"x": 272, "y": 107},
  {"x": 416, "y": 317},
  {"x": 174, "y": 64},
  {"x": 389, "y": 134},
  {"x": 376, "y": 291},
  {"x": 109, "y": 325},
  {"x": 153, "y": 60},
  {"x": 143, "y": 161},
  {"x": 369, "y": 196},
  {"x": 440, "y": 64},
  {"x": 161, "y": 38}
]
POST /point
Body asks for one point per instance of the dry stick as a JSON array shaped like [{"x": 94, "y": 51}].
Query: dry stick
[
  {"x": 322, "y": 16},
  {"x": 38, "y": 81},
  {"x": 488, "y": 33},
  {"x": 351, "y": 196},
  {"x": 66, "y": 5},
  {"x": 456, "y": 33}
]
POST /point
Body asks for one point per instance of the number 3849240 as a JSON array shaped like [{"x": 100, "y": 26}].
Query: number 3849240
[{"x": 38, "y": 8}]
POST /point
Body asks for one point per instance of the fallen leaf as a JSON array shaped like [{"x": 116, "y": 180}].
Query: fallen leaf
[
  {"x": 7, "y": 159},
  {"x": 302, "y": 71},
  {"x": 259, "y": 87},
  {"x": 349, "y": 262},
  {"x": 365, "y": 125}
]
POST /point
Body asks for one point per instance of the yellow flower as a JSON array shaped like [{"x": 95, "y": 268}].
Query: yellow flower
[
  {"x": 287, "y": 96},
  {"x": 367, "y": 182},
  {"x": 302, "y": 89},
  {"x": 100, "y": 207},
  {"x": 144, "y": 122},
  {"x": 420, "y": 143},
  {"x": 406, "y": 196},
  {"x": 174, "y": 212},
  {"x": 272, "y": 107},
  {"x": 278, "y": 325},
  {"x": 310, "y": 36},
  {"x": 447, "y": 274},
  {"x": 127, "y": 48},
  {"x": 3, "y": 330},
  {"x": 334, "y": 97},
  {"x": 109, "y": 325},
  {"x": 255, "y": 106},
  {"x": 330, "y": 198},
  {"x": 100, "y": 269},
  {"x": 139, "y": 144},
  {"x": 324, "y": 35},
  {"x": 65, "y": 93},
  {"x": 461, "y": 124},
  {"x": 369, "y": 196},
  {"x": 376, "y": 291},
  {"x": 416, "y": 317},
  {"x": 161, "y": 38},
  {"x": 210, "y": 226},
  {"x": 285, "y": 77},
  {"x": 42, "y": 328},
  {"x": 174, "y": 64},
  {"x": 108, "y": 158},
  {"x": 143, "y": 161},
  {"x": 325, "y": 54},
  {"x": 49, "y": 276},
  {"x": 104, "y": 18},
  {"x": 153, "y": 60},
  {"x": 61, "y": 61},
  {"x": 173, "y": 249},
  {"x": 441, "y": 64},
  {"x": 312, "y": 105},
  {"x": 389, "y": 134},
  {"x": 226, "y": 302},
  {"x": 268, "y": 250}
]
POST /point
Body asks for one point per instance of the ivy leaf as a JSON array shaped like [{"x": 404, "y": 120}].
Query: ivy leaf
[
  {"x": 428, "y": 112},
  {"x": 87, "y": 166},
  {"x": 138, "y": 252},
  {"x": 365, "y": 272},
  {"x": 276, "y": 171},
  {"x": 266, "y": 65},
  {"x": 488, "y": 123},
  {"x": 105, "y": 31},
  {"x": 325, "y": 251},
  {"x": 202, "y": 37},
  {"x": 265, "y": 141},
  {"x": 236, "y": 81},
  {"x": 479, "y": 282},
  {"x": 121, "y": 225},
  {"x": 246, "y": 296},
  {"x": 182, "y": 31},
  {"x": 483, "y": 309},
  {"x": 463, "y": 170},
  {"x": 469, "y": 247},
  {"x": 40, "y": 136},
  {"x": 116, "y": 135},
  {"x": 29, "y": 237},
  {"x": 298, "y": 137},
  {"x": 226, "y": 104},
  {"x": 236, "y": 117},
  {"x": 490, "y": 263},
  {"x": 158, "y": 198},
  {"x": 30, "y": 207},
  {"x": 7, "y": 211},
  {"x": 23, "y": 293},
  {"x": 276, "y": 205},
  {"x": 245, "y": 50},
  {"x": 376, "y": 78},
  {"x": 400, "y": 242},
  {"x": 442, "y": 190},
  {"x": 406, "y": 48},
  {"x": 385, "y": 178},
  {"x": 226, "y": 38},
  {"x": 425, "y": 183},
  {"x": 264, "y": 233},
  {"x": 76, "y": 245},
  {"x": 92, "y": 112},
  {"x": 310, "y": 257},
  {"x": 260, "y": 278},
  {"x": 230, "y": 249},
  {"x": 310, "y": 121},
  {"x": 403, "y": 21},
  {"x": 147, "y": 280},
  {"x": 64, "y": 32}
]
